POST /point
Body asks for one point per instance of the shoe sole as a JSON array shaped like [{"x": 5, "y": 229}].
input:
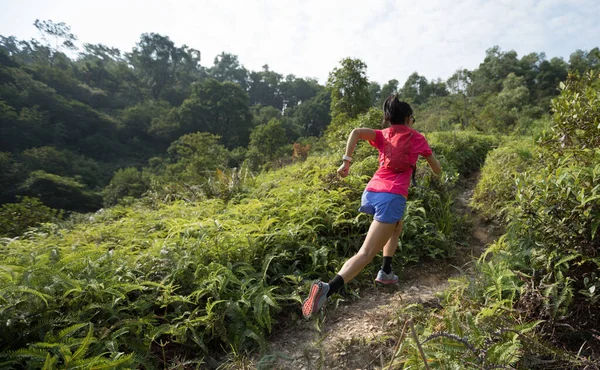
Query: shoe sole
[
  {"x": 387, "y": 282},
  {"x": 309, "y": 305}
]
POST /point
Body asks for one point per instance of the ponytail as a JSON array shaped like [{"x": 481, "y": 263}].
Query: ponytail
[{"x": 395, "y": 111}]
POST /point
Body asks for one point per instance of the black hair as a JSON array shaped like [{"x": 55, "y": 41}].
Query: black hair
[{"x": 395, "y": 111}]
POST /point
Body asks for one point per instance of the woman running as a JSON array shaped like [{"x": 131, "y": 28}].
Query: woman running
[{"x": 385, "y": 196}]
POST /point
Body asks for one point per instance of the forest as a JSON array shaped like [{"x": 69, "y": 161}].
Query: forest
[{"x": 160, "y": 211}]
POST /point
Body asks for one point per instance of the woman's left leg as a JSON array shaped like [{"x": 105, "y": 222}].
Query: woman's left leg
[
  {"x": 379, "y": 233},
  {"x": 390, "y": 247},
  {"x": 385, "y": 275}
]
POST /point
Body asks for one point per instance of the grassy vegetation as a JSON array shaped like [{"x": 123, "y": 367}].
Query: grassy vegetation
[
  {"x": 532, "y": 300},
  {"x": 186, "y": 282}
]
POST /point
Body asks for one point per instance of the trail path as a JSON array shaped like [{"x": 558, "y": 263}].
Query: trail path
[{"x": 356, "y": 334}]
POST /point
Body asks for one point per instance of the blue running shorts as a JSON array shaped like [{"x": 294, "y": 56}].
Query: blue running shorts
[{"x": 386, "y": 207}]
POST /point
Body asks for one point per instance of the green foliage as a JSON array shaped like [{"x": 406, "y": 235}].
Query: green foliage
[
  {"x": 65, "y": 352},
  {"x": 504, "y": 110},
  {"x": 267, "y": 142},
  {"x": 577, "y": 114},
  {"x": 213, "y": 256},
  {"x": 226, "y": 67},
  {"x": 264, "y": 88},
  {"x": 141, "y": 120},
  {"x": 128, "y": 182},
  {"x": 497, "y": 188},
  {"x": 542, "y": 272},
  {"x": 349, "y": 88},
  {"x": 312, "y": 115},
  {"x": 205, "y": 276},
  {"x": 219, "y": 108},
  {"x": 16, "y": 218},
  {"x": 461, "y": 151},
  {"x": 417, "y": 90},
  {"x": 12, "y": 174},
  {"x": 60, "y": 192},
  {"x": 567, "y": 197},
  {"x": 159, "y": 62}
]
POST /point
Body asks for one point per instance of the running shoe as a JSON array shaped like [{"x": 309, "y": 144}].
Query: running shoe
[
  {"x": 384, "y": 278},
  {"x": 316, "y": 298}
]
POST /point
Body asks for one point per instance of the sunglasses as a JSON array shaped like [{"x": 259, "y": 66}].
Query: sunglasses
[{"x": 413, "y": 118}]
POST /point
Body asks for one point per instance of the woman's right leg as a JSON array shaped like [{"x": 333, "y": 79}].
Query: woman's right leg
[{"x": 377, "y": 236}]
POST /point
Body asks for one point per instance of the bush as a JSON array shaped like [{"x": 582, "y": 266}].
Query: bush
[
  {"x": 543, "y": 274},
  {"x": 60, "y": 192},
  {"x": 461, "y": 151},
  {"x": 576, "y": 114},
  {"x": 16, "y": 218},
  {"x": 497, "y": 186},
  {"x": 127, "y": 182},
  {"x": 209, "y": 274}
]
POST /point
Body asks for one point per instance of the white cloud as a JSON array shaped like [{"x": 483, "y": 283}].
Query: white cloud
[{"x": 393, "y": 37}]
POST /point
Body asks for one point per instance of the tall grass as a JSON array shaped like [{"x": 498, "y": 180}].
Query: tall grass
[{"x": 191, "y": 281}]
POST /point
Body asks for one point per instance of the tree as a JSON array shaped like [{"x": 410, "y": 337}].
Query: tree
[
  {"x": 494, "y": 69},
  {"x": 264, "y": 88},
  {"x": 193, "y": 157},
  {"x": 349, "y": 88},
  {"x": 389, "y": 88},
  {"x": 459, "y": 84},
  {"x": 126, "y": 182},
  {"x": 261, "y": 115},
  {"x": 226, "y": 67},
  {"x": 219, "y": 108},
  {"x": 297, "y": 90},
  {"x": 418, "y": 90},
  {"x": 137, "y": 121},
  {"x": 313, "y": 115},
  {"x": 375, "y": 93},
  {"x": 160, "y": 64},
  {"x": 505, "y": 109},
  {"x": 16, "y": 218},
  {"x": 550, "y": 74},
  {"x": 60, "y": 192},
  {"x": 58, "y": 37},
  {"x": 582, "y": 61},
  {"x": 46, "y": 158},
  {"x": 266, "y": 143}
]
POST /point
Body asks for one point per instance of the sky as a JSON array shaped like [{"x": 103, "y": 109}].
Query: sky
[{"x": 308, "y": 38}]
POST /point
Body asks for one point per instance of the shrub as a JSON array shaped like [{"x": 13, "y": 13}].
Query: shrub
[
  {"x": 204, "y": 275},
  {"x": 127, "y": 182},
  {"x": 497, "y": 186},
  {"x": 60, "y": 192},
  {"x": 16, "y": 218}
]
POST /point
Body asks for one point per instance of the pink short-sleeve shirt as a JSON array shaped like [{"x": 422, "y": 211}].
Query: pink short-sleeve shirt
[{"x": 387, "y": 181}]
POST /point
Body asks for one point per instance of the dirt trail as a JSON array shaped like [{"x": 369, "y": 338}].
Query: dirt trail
[{"x": 353, "y": 336}]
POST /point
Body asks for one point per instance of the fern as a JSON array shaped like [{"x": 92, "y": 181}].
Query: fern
[{"x": 81, "y": 351}]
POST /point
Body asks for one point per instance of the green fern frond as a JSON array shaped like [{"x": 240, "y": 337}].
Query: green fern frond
[
  {"x": 33, "y": 353},
  {"x": 87, "y": 341},
  {"x": 111, "y": 364},
  {"x": 42, "y": 296},
  {"x": 50, "y": 362},
  {"x": 68, "y": 331}
]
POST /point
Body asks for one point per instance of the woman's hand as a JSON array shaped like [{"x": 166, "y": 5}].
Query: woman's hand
[{"x": 344, "y": 169}]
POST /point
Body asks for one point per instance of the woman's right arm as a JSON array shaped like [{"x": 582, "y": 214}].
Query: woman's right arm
[
  {"x": 434, "y": 164},
  {"x": 355, "y": 135}
]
